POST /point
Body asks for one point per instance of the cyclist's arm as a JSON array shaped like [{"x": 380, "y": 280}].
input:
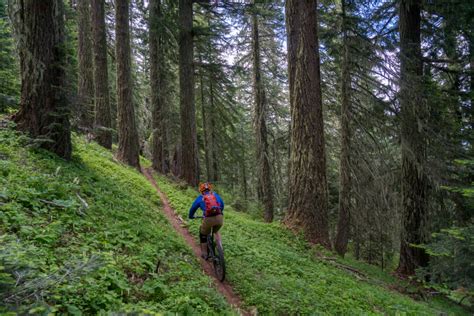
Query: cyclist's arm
[{"x": 195, "y": 206}]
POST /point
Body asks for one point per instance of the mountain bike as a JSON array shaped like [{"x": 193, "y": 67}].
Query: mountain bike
[{"x": 216, "y": 255}]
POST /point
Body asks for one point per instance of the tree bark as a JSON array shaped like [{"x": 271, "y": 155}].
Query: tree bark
[
  {"x": 156, "y": 82},
  {"x": 85, "y": 91},
  {"x": 264, "y": 185},
  {"x": 243, "y": 165},
  {"x": 471, "y": 69},
  {"x": 293, "y": 28},
  {"x": 413, "y": 116},
  {"x": 307, "y": 209},
  {"x": 103, "y": 116},
  {"x": 213, "y": 163},
  {"x": 343, "y": 224},
  {"x": 207, "y": 152},
  {"x": 44, "y": 110},
  {"x": 189, "y": 158},
  {"x": 128, "y": 147}
]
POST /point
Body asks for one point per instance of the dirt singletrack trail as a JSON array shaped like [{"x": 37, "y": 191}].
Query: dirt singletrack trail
[{"x": 223, "y": 287}]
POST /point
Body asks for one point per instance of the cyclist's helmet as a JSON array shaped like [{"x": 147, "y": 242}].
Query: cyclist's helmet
[{"x": 206, "y": 186}]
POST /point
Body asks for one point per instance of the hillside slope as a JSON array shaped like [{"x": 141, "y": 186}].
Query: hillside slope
[
  {"x": 87, "y": 236},
  {"x": 277, "y": 272}
]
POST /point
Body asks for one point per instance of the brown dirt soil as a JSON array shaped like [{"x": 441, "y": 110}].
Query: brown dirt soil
[{"x": 176, "y": 221}]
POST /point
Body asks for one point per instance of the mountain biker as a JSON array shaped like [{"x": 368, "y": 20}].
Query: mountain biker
[{"x": 212, "y": 207}]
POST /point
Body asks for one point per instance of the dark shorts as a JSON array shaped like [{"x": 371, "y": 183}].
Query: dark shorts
[{"x": 215, "y": 222}]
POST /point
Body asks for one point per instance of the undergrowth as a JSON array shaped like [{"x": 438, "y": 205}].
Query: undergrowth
[
  {"x": 277, "y": 272},
  {"x": 87, "y": 237}
]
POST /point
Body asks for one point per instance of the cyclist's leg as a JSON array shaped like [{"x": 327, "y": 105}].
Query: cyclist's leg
[
  {"x": 217, "y": 224},
  {"x": 204, "y": 230}
]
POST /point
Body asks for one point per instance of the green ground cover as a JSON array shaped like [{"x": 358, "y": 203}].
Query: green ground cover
[
  {"x": 118, "y": 253},
  {"x": 278, "y": 273}
]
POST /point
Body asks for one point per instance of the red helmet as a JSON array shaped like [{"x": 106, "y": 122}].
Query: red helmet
[{"x": 206, "y": 186}]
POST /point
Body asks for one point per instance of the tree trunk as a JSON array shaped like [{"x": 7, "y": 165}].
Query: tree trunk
[
  {"x": 471, "y": 69},
  {"x": 264, "y": 185},
  {"x": 189, "y": 158},
  {"x": 212, "y": 134},
  {"x": 44, "y": 111},
  {"x": 343, "y": 224},
  {"x": 103, "y": 116},
  {"x": 414, "y": 181},
  {"x": 128, "y": 147},
  {"x": 243, "y": 168},
  {"x": 207, "y": 152},
  {"x": 156, "y": 80},
  {"x": 307, "y": 207},
  {"x": 293, "y": 28},
  {"x": 85, "y": 91}
]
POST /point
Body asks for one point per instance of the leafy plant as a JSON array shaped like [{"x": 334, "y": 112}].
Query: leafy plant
[
  {"x": 268, "y": 263},
  {"x": 87, "y": 237}
]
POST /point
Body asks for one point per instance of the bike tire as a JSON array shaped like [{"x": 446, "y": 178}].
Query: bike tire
[
  {"x": 210, "y": 247},
  {"x": 219, "y": 263}
]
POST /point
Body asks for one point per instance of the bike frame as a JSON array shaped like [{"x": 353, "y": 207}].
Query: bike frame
[{"x": 217, "y": 259}]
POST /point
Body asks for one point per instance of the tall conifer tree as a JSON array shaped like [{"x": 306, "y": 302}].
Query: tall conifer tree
[
  {"x": 103, "y": 116},
  {"x": 189, "y": 158},
  {"x": 128, "y": 147},
  {"x": 413, "y": 123},
  {"x": 44, "y": 110},
  {"x": 308, "y": 204}
]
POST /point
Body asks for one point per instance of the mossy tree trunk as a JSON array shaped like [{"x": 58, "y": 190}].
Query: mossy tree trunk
[
  {"x": 128, "y": 147},
  {"x": 157, "y": 91},
  {"x": 264, "y": 185},
  {"x": 413, "y": 121},
  {"x": 85, "y": 91},
  {"x": 103, "y": 116},
  {"x": 307, "y": 209},
  {"x": 189, "y": 163},
  {"x": 44, "y": 110}
]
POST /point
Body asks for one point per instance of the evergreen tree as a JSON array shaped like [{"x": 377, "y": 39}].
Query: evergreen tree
[
  {"x": 343, "y": 225},
  {"x": 103, "y": 117},
  {"x": 156, "y": 81},
  {"x": 9, "y": 72},
  {"x": 189, "y": 163},
  {"x": 85, "y": 91},
  {"x": 128, "y": 147},
  {"x": 414, "y": 182},
  {"x": 264, "y": 184},
  {"x": 44, "y": 110},
  {"x": 307, "y": 208}
]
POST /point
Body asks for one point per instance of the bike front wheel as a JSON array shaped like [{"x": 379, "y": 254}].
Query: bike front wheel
[{"x": 219, "y": 263}]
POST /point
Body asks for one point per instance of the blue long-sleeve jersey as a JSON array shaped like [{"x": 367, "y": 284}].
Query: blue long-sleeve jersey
[{"x": 199, "y": 203}]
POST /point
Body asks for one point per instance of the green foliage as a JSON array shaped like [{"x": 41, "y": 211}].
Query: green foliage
[
  {"x": 279, "y": 273},
  {"x": 9, "y": 70},
  {"x": 87, "y": 237},
  {"x": 452, "y": 249},
  {"x": 452, "y": 257}
]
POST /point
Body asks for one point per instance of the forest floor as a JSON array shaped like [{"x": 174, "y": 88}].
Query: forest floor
[
  {"x": 277, "y": 272},
  {"x": 179, "y": 225},
  {"x": 90, "y": 236}
]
